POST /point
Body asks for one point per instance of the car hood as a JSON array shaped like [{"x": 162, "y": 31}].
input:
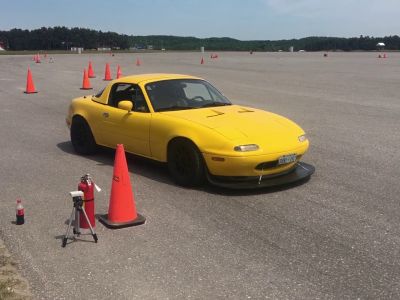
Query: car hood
[{"x": 244, "y": 124}]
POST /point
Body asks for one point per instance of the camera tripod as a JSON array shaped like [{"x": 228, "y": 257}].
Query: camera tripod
[{"x": 78, "y": 207}]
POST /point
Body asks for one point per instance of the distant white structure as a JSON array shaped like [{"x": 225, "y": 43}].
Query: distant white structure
[
  {"x": 1, "y": 49},
  {"x": 291, "y": 49},
  {"x": 202, "y": 49},
  {"x": 77, "y": 49},
  {"x": 380, "y": 46}
]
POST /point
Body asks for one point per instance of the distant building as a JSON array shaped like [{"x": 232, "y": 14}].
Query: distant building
[
  {"x": 77, "y": 49},
  {"x": 104, "y": 49}
]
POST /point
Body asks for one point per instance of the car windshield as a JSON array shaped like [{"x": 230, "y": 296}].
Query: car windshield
[{"x": 180, "y": 94}]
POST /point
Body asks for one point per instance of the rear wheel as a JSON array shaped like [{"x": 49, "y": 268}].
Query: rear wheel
[
  {"x": 81, "y": 137},
  {"x": 185, "y": 163}
]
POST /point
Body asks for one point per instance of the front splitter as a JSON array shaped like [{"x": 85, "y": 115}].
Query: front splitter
[{"x": 301, "y": 171}]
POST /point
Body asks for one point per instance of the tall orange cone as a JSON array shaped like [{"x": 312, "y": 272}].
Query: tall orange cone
[
  {"x": 202, "y": 61},
  {"x": 138, "y": 62},
  {"x": 90, "y": 71},
  {"x": 85, "y": 82},
  {"x": 107, "y": 75},
  {"x": 30, "y": 87},
  {"x": 119, "y": 72},
  {"x": 122, "y": 209}
]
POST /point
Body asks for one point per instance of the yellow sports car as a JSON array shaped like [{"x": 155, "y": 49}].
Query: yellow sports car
[{"x": 187, "y": 123}]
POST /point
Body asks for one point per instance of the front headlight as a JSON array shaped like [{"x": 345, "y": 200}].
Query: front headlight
[
  {"x": 302, "y": 138},
  {"x": 245, "y": 148}
]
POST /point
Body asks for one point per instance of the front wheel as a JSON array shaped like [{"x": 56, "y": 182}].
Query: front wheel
[
  {"x": 81, "y": 137},
  {"x": 185, "y": 163}
]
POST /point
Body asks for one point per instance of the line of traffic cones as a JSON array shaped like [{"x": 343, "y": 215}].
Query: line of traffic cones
[
  {"x": 122, "y": 208},
  {"x": 30, "y": 87}
]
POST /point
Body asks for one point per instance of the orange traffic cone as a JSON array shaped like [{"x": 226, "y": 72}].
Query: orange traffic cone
[
  {"x": 202, "y": 61},
  {"x": 122, "y": 208},
  {"x": 138, "y": 62},
  {"x": 85, "y": 82},
  {"x": 119, "y": 72},
  {"x": 30, "y": 87},
  {"x": 90, "y": 71},
  {"x": 107, "y": 75},
  {"x": 38, "y": 59}
]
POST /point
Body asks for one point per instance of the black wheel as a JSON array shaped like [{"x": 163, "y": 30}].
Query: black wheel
[
  {"x": 81, "y": 137},
  {"x": 185, "y": 163}
]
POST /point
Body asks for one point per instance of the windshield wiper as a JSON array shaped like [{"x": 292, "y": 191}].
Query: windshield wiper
[
  {"x": 175, "y": 107},
  {"x": 213, "y": 104}
]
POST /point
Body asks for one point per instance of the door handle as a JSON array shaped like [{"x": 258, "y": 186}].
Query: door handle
[{"x": 105, "y": 114}]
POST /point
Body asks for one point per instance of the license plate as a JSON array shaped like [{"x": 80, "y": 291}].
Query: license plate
[{"x": 286, "y": 159}]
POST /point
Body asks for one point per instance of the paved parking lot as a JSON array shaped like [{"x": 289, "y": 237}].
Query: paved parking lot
[{"x": 335, "y": 237}]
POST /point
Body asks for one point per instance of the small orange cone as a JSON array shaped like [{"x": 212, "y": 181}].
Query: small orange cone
[
  {"x": 122, "y": 209},
  {"x": 85, "y": 82},
  {"x": 107, "y": 75},
  {"x": 119, "y": 72},
  {"x": 38, "y": 59},
  {"x": 202, "y": 61},
  {"x": 138, "y": 62},
  {"x": 90, "y": 71},
  {"x": 30, "y": 87}
]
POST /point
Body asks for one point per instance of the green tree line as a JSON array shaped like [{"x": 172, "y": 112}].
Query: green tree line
[{"x": 63, "y": 38}]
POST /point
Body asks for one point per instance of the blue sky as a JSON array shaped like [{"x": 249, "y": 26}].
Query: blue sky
[{"x": 241, "y": 19}]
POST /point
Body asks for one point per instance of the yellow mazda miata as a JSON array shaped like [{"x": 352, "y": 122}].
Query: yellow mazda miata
[{"x": 186, "y": 122}]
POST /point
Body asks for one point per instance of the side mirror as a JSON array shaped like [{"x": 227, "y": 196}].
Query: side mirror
[{"x": 125, "y": 105}]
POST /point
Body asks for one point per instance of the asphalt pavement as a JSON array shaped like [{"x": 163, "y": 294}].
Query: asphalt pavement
[{"x": 336, "y": 236}]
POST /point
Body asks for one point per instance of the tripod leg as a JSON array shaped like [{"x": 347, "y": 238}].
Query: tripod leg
[
  {"x": 64, "y": 242},
  {"x": 77, "y": 224},
  {"x": 90, "y": 225}
]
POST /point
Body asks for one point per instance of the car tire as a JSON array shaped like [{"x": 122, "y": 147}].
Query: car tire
[
  {"x": 81, "y": 137},
  {"x": 185, "y": 163}
]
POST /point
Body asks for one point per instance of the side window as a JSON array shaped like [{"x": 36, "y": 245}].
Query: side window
[
  {"x": 140, "y": 104},
  {"x": 120, "y": 92},
  {"x": 128, "y": 91}
]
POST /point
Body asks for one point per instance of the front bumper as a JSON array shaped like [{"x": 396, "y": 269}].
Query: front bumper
[{"x": 301, "y": 171}]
